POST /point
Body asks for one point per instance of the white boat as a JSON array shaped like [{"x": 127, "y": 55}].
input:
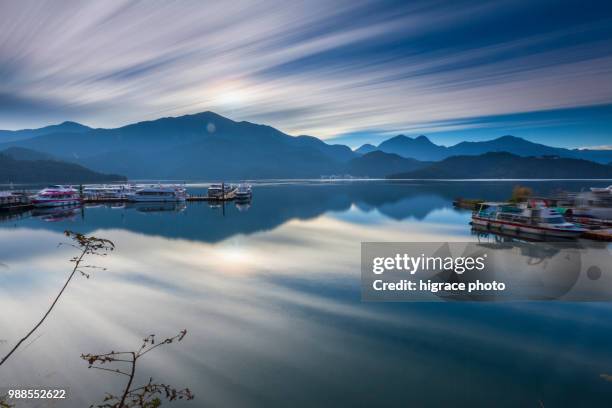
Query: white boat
[
  {"x": 56, "y": 196},
  {"x": 110, "y": 191},
  {"x": 596, "y": 203},
  {"x": 222, "y": 191},
  {"x": 600, "y": 190},
  {"x": 244, "y": 192},
  {"x": 10, "y": 200},
  {"x": 531, "y": 218},
  {"x": 158, "y": 193}
]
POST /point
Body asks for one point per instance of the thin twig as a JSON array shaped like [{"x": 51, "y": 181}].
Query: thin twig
[
  {"x": 48, "y": 310},
  {"x": 144, "y": 396},
  {"x": 88, "y": 246}
]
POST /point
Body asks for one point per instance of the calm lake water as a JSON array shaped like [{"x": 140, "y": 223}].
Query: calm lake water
[{"x": 270, "y": 296}]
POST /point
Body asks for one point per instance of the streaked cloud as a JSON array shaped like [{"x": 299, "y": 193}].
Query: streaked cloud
[{"x": 320, "y": 68}]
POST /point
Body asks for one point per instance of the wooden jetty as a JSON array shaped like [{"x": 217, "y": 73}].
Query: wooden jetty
[
  {"x": 203, "y": 197},
  {"x": 191, "y": 198},
  {"x": 15, "y": 202},
  {"x": 102, "y": 200}
]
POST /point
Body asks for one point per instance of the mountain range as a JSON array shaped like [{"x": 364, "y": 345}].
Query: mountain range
[
  {"x": 207, "y": 146},
  {"x": 380, "y": 164},
  {"x": 66, "y": 127},
  {"x": 503, "y": 165},
  {"x": 199, "y": 146},
  {"x": 421, "y": 148}
]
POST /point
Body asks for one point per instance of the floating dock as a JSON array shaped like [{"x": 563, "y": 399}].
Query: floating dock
[
  {"x": 16, "y": 202},
  {"x": 203, "y": 197},
  {"x": 16, "y": 207}
]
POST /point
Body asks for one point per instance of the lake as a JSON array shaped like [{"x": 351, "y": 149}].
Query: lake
[{"x": 271, "y": 298}]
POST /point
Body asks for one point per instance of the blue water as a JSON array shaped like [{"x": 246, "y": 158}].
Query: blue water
[{"x": 270, "y": 296}]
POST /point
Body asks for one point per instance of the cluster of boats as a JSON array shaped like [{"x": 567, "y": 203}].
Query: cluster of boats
[
  {"x": 594, "y": 203},
  {"x": 64, "y": 195},
  {"x": 13, "y": 200},
  {"x": 568, "y": 215},
  {"x": 532, "y": 217},
  {"x": 240, "y": 192},
  {"x": 59, "y": 195}
]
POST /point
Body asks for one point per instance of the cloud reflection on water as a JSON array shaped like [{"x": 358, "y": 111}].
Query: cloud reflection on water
[{"x": 271, "y": 315}]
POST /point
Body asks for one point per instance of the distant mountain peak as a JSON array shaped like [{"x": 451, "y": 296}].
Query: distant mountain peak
[
  {"x": 381, "y": 154},
  {"x": 420, "y": 147},
  {"x": 208, "y": 114},
  {"x": 424, "y": 140},
  {"x": 69, "y": 125},
  {"x": 366, "y": 148},
  {"x": 402, "y": 138},
  {"x": 510, "y": 138}
]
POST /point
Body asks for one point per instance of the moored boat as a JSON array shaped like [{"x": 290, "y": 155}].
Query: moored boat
[
  {"x": 222, "y": 191},
  {"x": 108, "y": 192},
  {"x": 56, "y": 196},
  {"x": 596, "y": 203},
  {"x": 159, "y": 193},
  {"x": 12, "y": 200},
  {"x": 244, "y": 192},
  {"x": 604, "y": 190},
  {"x": 530, "y": 218}
]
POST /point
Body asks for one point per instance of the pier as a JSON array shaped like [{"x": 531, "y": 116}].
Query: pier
[
  {"x": 190, "y": 198},
  {"x": 15, "y": 202}
]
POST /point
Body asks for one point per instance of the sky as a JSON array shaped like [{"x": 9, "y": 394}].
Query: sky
[{"x": 349, "y": 72}]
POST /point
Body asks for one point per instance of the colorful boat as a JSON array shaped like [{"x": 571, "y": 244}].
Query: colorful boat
[
  {"x": 531, "y": 218},
  {"x": 56, "y": 196}
]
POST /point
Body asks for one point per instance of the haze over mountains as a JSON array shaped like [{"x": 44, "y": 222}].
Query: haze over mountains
[{"x": 209, "y": 146}]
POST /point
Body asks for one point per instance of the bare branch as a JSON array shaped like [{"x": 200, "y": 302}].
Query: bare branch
[
  {"x": 87, "y": 246},
  {"x": 4, "y": 403},
  {"x": 148, "y": 395}
]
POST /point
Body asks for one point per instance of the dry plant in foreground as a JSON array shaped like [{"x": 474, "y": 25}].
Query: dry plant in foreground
[
  {"x": 3, "y": 403},
  {"x": 86, "y": 246},
  {"x": 145, "y": 396}
]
